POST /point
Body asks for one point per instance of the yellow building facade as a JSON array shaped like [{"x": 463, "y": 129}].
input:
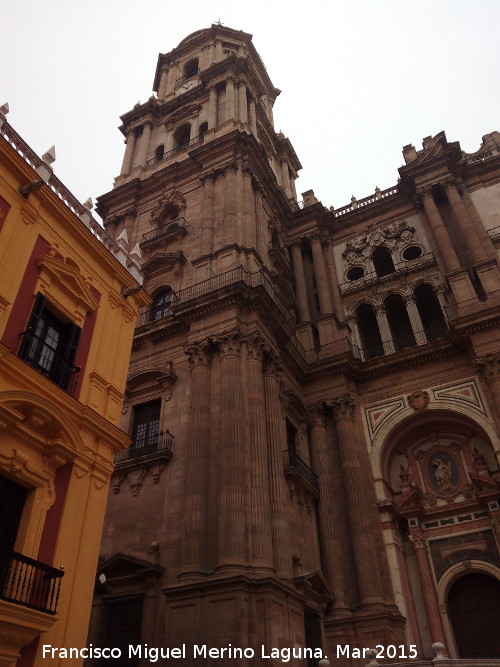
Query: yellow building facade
[{"x": 69, "y": 297}]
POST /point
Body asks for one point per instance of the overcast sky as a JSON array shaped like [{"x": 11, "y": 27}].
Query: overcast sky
[{"x": 359, "y": 79}]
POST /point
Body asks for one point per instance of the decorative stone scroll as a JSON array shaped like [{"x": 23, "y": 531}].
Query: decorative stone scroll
[{"x": 357, "y": 250}]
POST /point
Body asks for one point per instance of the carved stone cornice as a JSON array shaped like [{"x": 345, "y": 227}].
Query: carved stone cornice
[
  {"x": 489, "y": 367},
  {"x": 342, "y": 407}
]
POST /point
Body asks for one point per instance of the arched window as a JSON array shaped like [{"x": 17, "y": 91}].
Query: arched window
[
  {"x": 159, "y": 152},
  {"x": 191, "y": 68},
  {"x": 181, "y": 136},
  {"x": 369, "y": 333},
  {"x": 382, "y": 261},
  {"x": 430, "y": 312},
  {"x": 399, "y": 323},
  {"x": 160, "y": 307}
]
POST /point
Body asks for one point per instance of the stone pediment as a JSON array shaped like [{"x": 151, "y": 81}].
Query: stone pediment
[
  {"x": 411, "y": 501},
  {"x": 69, "y": 279},
  {"x": 313, "y": 585},
  {"x": 151, "y": 378},
  {"x": 484, "y": 486},
  {"x": 164, "y": 260},
  {"x": 123, "y": 566}
]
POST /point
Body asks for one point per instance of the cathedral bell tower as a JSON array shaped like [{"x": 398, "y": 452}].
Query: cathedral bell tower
[{"x": 217, "y": 511}]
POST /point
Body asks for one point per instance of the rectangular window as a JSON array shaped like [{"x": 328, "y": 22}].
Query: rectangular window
[
  {"x": 120, "y": 624},
  {"x": 146, "y": 427},
  {"x": 49, "y": 344},
  {"x": 291, "y": 435}
]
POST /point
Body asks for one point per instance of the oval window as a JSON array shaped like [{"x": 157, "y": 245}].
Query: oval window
[
  {"x": 355, "y": 273},
  {"x": 412, "y": 252}
]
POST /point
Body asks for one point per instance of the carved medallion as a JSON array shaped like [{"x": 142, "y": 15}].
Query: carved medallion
[{"x": 419, "y": 400}]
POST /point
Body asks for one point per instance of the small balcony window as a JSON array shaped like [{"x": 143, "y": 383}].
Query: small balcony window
[
  {"x": 160, "y": 307},
  {"x": 49, "y": 344}
]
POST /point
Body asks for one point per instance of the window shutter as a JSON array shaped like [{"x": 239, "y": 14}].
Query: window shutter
[
  {"x": 71, "y": 342},
  {"x": 36, "y": 314}
]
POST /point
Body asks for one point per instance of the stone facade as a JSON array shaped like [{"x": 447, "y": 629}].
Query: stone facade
[{"x": 314, "y": 395}]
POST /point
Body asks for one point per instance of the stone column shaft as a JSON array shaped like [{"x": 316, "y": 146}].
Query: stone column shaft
[
  {"x": 249, "y": 229},
  {"x": 359, "y": 503},
  {"x": 462, "y": 217},
  {"x": 229, "y": 99},
  {"x": 478, "y": 224},
  {"x": 415, "y": 321},
  {"x": 329, "y": 513},
  {"x": 440, "y": 232},
  {"x": 285, "y": 178},
  {"x": 207, "y": 230},
  {"x": 193, "y": 545},
  {"x": 230, "y": 207},
  {"x": 424, "y": 571},
  {"x": 260, "y": 503},
  {"x": 279, "y": 494},
  {"x": 325, "y": 302},
  {"x": 212, "y": 108},
  {"x": 253, "y": 117},
  {"x": 300, "y": 283},
  {"x": 129, "y": 153},
  {"x": 385, "y": 330},
  {"x": 144, "y": 144},
  {"x": 232, "y": 473},
  {"x": 242, "y": 103},
  {"x": 162, "y": 88}
]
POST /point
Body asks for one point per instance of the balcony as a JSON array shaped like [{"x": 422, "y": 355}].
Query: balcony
[
  {"x": 400, "y": 267},
  {"x": 295, "y": 468},
  {"x": 473, "y": 306},
  {"x": 165, "y": 233},
  {"x": 279, "y": 258},
  {"x": 178, "y": 149},
  {"x": 38, "y": 353},
  {"x": 29, "y": 583},
  {"x": 403, "y": 342},
  {"x": 160, "y": 443}
]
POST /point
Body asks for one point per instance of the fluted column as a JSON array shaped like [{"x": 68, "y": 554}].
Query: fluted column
[
  {"x": 207, "y": 230},
  {"x": 362, "y": 517},
  {"x": 212, "y": 108},
  {"x": 334, "y": 281},
  {"x": 260, "y": 232},
  {"x": 242, "y": 103},
  {"x": 260, "y": 503},
  {"x": 325, "y": 301},
  {"x": 424, "y": 571},
  {"x": 300, "y": 283},
  {"x": 232, "y": 459},
  {"x": 439, "y": 231},
  {"x": 194, "y": 528},
  {"x": 229, "y": 99},
  {"x": 478, "y": 223},
  {"x": 129, "y": 153},
  {"x": 230, "y": 207},
  {"x": 249, "y": 223},
  {"x": 276, "y": 439},
  {"x": 329, "y": 513},
  {"x": 144, "y": 143},
  {"x": 473, "y": 241},
  {"x": 240, "y": 205}
]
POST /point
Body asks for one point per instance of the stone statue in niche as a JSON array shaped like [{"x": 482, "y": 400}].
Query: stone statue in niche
[{"x": 442, "y": 472}]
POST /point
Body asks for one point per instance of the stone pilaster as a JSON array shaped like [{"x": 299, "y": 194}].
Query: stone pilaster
[
  {"x": 129, "y": 153},
  {"x": 249, "y": 228},
  {"x": 329, "y": 512},
  {"x": 478, "y": 223},
  {"x": 162, "y": 89},
  {"x": 276, "y": 444},
  {"x": 232, "y": 455},
  {"x": 300, "y": 283},
  {"x": 260, "y": 504},
  {"x": 428, "y": 591},
  {"x": 242, "y": 102},
  {"x": 195, "y": 529},
  {"x": 252, "y": 117},
  {"x": 230, "y": 99},
  {"x": 363, "y": 520}
]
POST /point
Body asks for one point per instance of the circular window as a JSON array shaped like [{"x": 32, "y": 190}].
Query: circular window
[
  {"x": 412, "y": 252},
  {"x": 355, "y": 273}
]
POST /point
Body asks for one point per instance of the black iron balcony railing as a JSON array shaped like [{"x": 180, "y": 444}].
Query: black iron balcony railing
[
  {"x": 399, "y": 267},
  {"x": 473, "y": 306},
  {"x": 156, "y": 443},
  {"x": 177, "y": 149},
  {"x": 29, "y": 583},
  {"x": 232, "y": 277},
  {"x": 404, "y": 342},
  {"x": 280, "y": 254},
  {"x": 36, "y": 352},
  {"x": 187, "y": 76},
  {"x": 171, "y": 228},
  {"x": 292, "y": 460}
]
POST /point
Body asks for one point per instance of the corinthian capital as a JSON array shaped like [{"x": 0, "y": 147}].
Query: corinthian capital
[
  {"x": 489, "y": 366},
  {"x": 317, "y": 413},
  {"x": 229, "y": 343},
  {"x": 342, "y": 407},
  {"x": 199, "y": 354}
]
